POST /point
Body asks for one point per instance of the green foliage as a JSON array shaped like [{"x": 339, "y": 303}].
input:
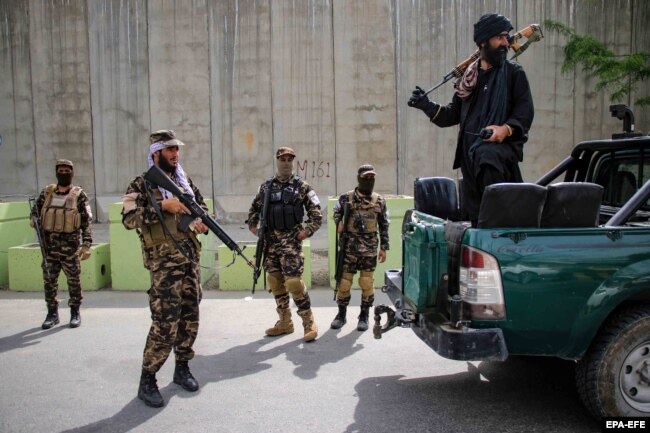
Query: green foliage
[{"x": 618, "y": 74}]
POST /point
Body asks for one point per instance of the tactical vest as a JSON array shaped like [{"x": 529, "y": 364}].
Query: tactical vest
[
  {"x": 154, "y": 234},
  {"x": 363, "y": 218},
  {"x": 60, "y": 213},
  {"x": 285, "y": 211}
]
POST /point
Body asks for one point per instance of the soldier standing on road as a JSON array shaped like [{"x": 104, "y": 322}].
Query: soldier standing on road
[
  {"x": 284, "y": 263},
  {"x": 172, "y": 258},
  {"x": 66, "y": 221},
  {"x": 368, "y": 218}
]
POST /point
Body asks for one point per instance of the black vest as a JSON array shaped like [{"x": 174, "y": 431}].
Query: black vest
[{"x": 285, "y": 210}]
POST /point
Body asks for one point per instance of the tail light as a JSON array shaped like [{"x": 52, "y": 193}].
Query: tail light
[{"x": 480, "y": 285}]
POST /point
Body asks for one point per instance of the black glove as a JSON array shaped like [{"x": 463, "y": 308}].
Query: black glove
[{"x": 418, "y": 99}]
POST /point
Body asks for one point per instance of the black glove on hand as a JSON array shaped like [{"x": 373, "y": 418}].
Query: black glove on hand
[{"x": 418, "y": 99}]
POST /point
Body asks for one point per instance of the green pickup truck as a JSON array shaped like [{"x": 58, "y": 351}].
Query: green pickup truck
[{"x": 556, "y": 268}]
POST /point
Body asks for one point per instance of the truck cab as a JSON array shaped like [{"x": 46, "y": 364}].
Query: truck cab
[{"x": 559, "y": 267}]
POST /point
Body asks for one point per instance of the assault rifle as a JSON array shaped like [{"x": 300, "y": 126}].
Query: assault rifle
[
  {"x": 532, "y": 33},
  {"x": 36, "y": 218},
  {"x": 261, "y": 235},
  {"x": 157, "y": 177},
  {"x": 341, "y": 243}
]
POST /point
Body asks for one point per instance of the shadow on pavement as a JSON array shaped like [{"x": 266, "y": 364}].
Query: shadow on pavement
[
  {"x": 28, "y": 337},
  {"x": 238, "y": 361},
  {"x": 506, "y": 396}
]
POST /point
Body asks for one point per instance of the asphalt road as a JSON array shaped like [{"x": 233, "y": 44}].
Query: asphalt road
[{"x": 85, "y": 379}]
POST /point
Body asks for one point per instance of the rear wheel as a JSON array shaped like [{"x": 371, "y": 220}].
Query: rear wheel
[{"x": 613, "y": 378}]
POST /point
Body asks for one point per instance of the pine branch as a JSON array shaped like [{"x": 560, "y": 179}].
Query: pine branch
[{"x": 617, "y": 74}]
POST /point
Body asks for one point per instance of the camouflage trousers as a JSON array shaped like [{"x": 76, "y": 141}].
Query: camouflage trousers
[
  {"x": 61, "y": 255},
  {"x": 174, "y": 299},
  {"x": 284, "y": 254},
  {"x": 360, "y": 255}
]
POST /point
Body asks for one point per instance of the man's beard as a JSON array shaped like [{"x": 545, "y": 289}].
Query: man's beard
[
  {"x": 165, "y": 165},
  {"x": 495, "y": 56}
]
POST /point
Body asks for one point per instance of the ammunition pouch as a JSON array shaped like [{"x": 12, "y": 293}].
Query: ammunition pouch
[
  {"x": 154, "y": 234},
  {"x": 364, "y": 217}
]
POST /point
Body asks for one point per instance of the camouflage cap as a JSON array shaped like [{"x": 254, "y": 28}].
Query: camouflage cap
[
  {"x": 285, "y": 151},
  {"x": 366, "y": 169},
  {"x": 63, "y": 162},
  {"x": 166, "y": 137}
]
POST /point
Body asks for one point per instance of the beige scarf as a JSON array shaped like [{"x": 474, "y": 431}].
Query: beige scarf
[{"x": 465, "y": 85}]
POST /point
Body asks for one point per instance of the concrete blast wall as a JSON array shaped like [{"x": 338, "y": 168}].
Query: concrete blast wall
[{"x": 87, "y": 80}]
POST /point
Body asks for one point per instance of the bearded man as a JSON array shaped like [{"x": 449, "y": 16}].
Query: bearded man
[
  {"x": 492, "y": 94},
  {"x": 171, "y": 254}
]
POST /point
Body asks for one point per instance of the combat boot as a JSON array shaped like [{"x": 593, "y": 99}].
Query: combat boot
[
  {"x": 184, "y": 378},
  {"x": 340, "y": 319},
  {"x": 52, "y": 318},
  {"x": 363, "y": 319},
  {"x": 148, "y": 390},
  {"x": 282, "y": 326},
  {"x": 75, "y": 317},
  {"x": 311, "y": 330}
]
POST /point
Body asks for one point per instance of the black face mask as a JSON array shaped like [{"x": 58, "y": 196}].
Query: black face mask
[
  {"x": 64, "y": 179},
  {"x": 165, "y": 165},
  {"x": 366, "y": 185},
  {"x": 495, "y": 56}
]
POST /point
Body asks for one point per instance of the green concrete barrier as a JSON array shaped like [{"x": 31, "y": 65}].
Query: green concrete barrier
[
  {"x": 397, "y": 207},
  {"x": 127, "y": 266},
  {"x": 239, "y": 276},
  {"x": 14, "y": 230},
  {"x": 26, "y": 274}
]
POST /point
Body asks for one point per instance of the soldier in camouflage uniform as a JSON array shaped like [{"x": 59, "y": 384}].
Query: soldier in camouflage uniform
[
  {"x": 172, "y": 258},
  {"x": 284, "y": 262},
  {"x": 66, "y": 222},
  {"x": 368, "y": 217}
]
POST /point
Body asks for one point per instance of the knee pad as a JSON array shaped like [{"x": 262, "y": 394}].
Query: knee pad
[
  {"x": 367, "y": 283},
  {"x": 295, "y": 286},
  {"x": 275, "y": 281},
  {"x": 345, "y": 285}
]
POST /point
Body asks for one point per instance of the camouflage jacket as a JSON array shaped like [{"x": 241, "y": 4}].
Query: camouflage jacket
[
  {"x": 85, "y": 212},
  {"x": 383, "y": 218},
  {"x": 306, "y": 195},
  {"x": 137, "y": 212}
]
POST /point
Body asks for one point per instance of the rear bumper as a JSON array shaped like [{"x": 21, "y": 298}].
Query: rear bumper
[{"x": 462, "y": 343}]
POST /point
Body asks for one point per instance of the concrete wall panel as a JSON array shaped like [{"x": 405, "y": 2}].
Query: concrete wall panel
[
  {"x": 364, "y": 74},
  {"x": 17, "y": 165},
  {"x": 179, "y": 81},
  {"x": 303, "y": 88},
  {"x": 240, "y": 94},
  {"x": 119, "y": 68},
  {"x": 61, "y": 89}
]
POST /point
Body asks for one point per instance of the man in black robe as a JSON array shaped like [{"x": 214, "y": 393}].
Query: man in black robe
[{"x": 492, "y": 94}]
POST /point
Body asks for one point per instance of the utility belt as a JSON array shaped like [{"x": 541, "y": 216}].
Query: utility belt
[{"x": 60, "y": 213}]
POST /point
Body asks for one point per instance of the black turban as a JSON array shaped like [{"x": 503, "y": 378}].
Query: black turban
[{"x": 490, "y": 25}]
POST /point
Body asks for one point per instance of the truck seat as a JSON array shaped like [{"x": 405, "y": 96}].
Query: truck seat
[
  {"x": 511, "y": 205},
  {"x": 436, "y": 196},
  {"x": 572, "y": 204}
]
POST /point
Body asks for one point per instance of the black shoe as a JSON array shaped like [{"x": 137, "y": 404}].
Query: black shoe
[
  {"x": 363, "y": 320},
  {"x": 52, "y": 318},
  {"x": 340, "y": 319},
  {"x": 148, "y": 391},
  {"x": 184, "y": 378},
  {"x": 75, "y": 317}
]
